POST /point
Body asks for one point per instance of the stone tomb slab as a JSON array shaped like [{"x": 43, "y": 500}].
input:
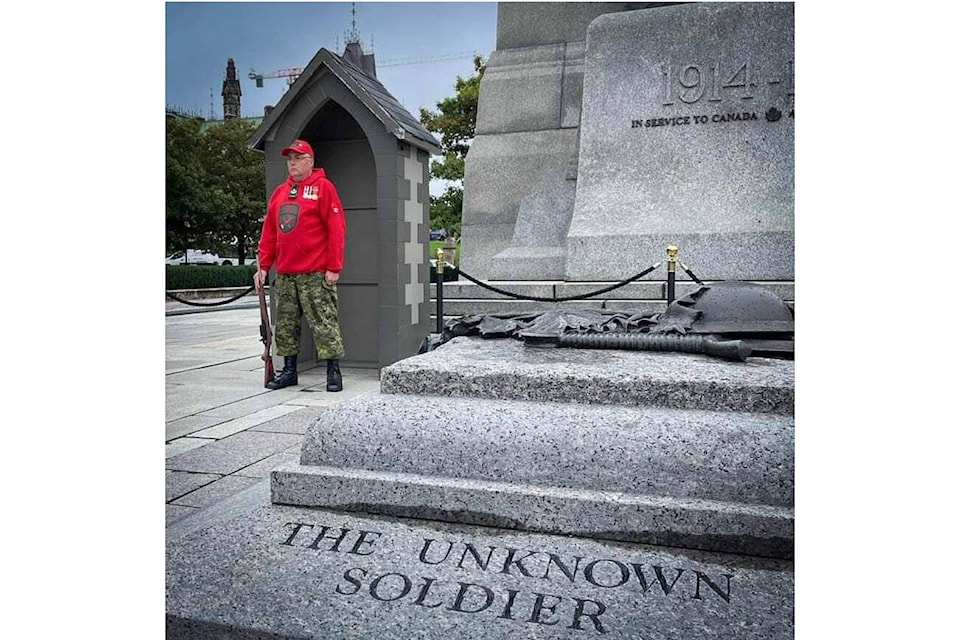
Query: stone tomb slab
[
  {"x": 687, "y": 138},
  {"x": 656, "y": 448},
  {"x": 248, "y": 569},
  {"x": 506, "y": 369}
]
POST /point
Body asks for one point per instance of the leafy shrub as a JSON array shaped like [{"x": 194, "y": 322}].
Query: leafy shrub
[{"x": 193, "y": 276}]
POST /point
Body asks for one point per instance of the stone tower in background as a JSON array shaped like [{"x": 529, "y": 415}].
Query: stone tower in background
[{"x": 231, "y": 92}]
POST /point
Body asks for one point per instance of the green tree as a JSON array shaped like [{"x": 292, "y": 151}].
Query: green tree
[
  {"x": 215, "y": 187},
  {"x": 189, "y": 206},
  {"x": 456, "y": 122},
  {"x": 234, "y": 175}
]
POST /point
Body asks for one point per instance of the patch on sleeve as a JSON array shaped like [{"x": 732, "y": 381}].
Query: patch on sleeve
[{"x": 336, "y": 209}]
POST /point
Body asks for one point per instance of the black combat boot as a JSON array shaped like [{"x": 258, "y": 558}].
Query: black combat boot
[
  {"x": 334, "y": 379},
  {"x": 287, "y": 377}
]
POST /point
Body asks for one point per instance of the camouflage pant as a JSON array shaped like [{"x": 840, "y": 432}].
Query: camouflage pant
[{"x": 307, "y": 295}]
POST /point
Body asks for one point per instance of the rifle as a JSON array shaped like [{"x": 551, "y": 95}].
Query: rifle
[{"x": 266, "y": 337}]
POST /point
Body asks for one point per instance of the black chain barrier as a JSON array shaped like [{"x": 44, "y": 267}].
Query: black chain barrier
[
  {"x": 209, "y": 304},
  {"x": 466, "y": 275},
  {"x": 583, "y": 296}
]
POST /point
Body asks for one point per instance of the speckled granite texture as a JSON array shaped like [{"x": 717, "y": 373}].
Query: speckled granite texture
[
  {"x": 707, "y": 455},
  {"x": 597, "y": 446},
  {"x": 247, "y": 569},
  {"x": 506, "y": 369},
  {"x": 672, "y": 153}
]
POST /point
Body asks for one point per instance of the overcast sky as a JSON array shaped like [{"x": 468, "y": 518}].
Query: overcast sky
[{"x": 271, "y": 36}]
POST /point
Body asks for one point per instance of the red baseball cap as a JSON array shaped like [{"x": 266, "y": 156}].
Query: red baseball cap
[{"x": 298, "y": 146}]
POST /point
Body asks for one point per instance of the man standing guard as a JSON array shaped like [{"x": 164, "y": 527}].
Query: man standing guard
[{"x": 303, "y": 236}]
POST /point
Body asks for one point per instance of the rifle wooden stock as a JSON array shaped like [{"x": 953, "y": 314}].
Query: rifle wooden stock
[{"x": 266, "y": 336}]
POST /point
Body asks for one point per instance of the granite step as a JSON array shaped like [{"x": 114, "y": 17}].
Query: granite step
[
  {"x": 713, "y": 480},
  {"x": 506, "y": 369}
]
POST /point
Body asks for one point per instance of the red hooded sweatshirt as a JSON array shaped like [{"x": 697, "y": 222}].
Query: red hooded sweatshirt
[{"x": 304, "y": 230}]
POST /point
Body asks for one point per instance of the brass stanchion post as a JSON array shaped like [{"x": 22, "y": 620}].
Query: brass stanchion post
[
  {"x": 441, "y": 268},
  {"x": 671, "y": 272}
]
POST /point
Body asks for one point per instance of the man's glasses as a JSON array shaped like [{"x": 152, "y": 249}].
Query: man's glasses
[{"x": 293, "y": 158}]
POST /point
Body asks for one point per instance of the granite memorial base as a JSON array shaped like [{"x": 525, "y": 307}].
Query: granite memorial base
[
  {"x": 673, "y": 125},
  {"x": 495, "y": 490},
  {"x": 247, "y": 569},
  {"x": 702, "y": 124}
]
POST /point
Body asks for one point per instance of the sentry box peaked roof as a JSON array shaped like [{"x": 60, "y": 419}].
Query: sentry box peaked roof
[{"x": 366, "y": 88}]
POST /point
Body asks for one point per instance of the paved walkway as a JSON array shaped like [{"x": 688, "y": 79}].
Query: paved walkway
[{"x": 224, "y": 431}]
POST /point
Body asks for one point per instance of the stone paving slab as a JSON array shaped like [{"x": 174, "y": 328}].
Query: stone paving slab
[
  {"x": 245, "y": 568},
  {"x": 215, "y": 491},
  {"x": 180, "y": 483},
  {"x": 224, "y": 374},
  {"x": 183, "y": 400},
  {"x": 251, "y": 403},
  {"x": 322, "y": 398},
  {"x": 295, "y": 422},
  {"x": 183, "y": 445},
  {"x": 185, "y": 365},
  {"x": 203, "y": 397},
  {"x": 263, "y": 468},
  {"x": 175, "y": 513},
  {"x": 242, "y": 424},
  {"x": 232, "y": 453},
  {"x": 189, "y": 425}
]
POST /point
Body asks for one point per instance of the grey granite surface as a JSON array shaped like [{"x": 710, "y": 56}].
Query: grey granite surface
[
  {"x": 263, "y": 468},
  {"x": 486, "y": 307},
  {"x": 708, "y": 455},
  {"x": 173, "y": 513},
  {"x": 521, "y": 90},
  {"x": 249, "y": 569},
  {"x": 531, "y": 24},
  {"x": 295, "y": 422},
  {"x": 539, "y": 237},
  {"x": 232, "y": 453},
  {"x": 696, "y": 101},
  {"x": 507, "y": 369},
  {"x": 665, "y": 448},
  {"x": 179, "y": 483},
  {"x": 718, "y": 480},
  {"x": 501, "y": 169},
  {"x": 215, "y": 491},
  {"x": 545, "y": 215},
  {"x": 710, "y": 525},
  {"x": 649, "y": 288},
  {"x": 190, "y": 424}
]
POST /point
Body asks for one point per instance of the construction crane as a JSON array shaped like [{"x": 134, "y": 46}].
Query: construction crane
[
  {"x": 294, "y": 72},
  {"x": 290, "y": 74},
  {"x": 354, "y": 37}
]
